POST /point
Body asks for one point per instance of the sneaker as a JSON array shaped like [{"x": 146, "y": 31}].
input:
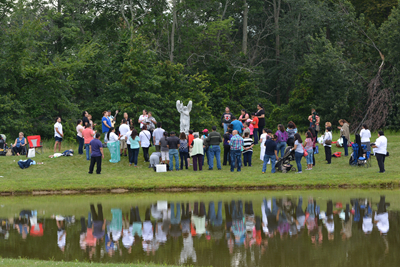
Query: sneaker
[{"x": 299, "y": 172}]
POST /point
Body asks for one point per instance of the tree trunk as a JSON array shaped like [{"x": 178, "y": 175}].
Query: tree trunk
[
  {"x": 277, "y": 9},
  {"x": 171, "y": 55},
  {"x": 245, "y": 15}
]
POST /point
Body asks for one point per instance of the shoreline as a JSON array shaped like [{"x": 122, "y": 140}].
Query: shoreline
[{"x": 344, "y": 186}]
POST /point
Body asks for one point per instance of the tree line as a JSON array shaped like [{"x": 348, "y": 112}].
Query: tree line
[{"x": 59, "y": 58}]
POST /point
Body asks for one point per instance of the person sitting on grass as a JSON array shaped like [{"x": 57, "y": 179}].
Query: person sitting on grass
[
  {"x": 97, "y": 154},
  {"x": 19, "y": 145}
]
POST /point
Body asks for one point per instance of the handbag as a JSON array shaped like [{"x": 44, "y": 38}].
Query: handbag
[
  {"x": 31, "y": 153},
  {"x": 305, "y": 154},
  {"x": 328, "y": 142}
]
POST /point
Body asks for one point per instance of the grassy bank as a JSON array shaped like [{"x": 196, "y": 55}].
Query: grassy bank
[
  {"x": 71, "y": 173},
  {"x": 38, "y": 263}
]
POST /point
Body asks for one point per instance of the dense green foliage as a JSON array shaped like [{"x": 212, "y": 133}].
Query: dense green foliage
[{"x": 59, "y": 58}]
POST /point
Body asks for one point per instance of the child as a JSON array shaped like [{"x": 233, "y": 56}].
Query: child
[
  {"x": 251, "y": 127},
  {"x": 227, "y": 148},
  {"x": 246, "y": 129},
  {"x": 190, "y": 141},
  {"x": 247, "y": 149},
  {"x": 308, "y": 146},
  {"x": 254, "y": 122}
]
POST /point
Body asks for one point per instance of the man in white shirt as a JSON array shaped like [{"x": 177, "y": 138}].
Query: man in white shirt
[
  {"x": 143, "y": 118},
  {"x": 157, "y": 135},
  {"x": 123, "y": 130},
  {"x": 128, "y": 144},
  {"x": 58, "y": 134},
  {"x": 380, "y": 150}
]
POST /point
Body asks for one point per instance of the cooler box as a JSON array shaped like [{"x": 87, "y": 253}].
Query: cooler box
[{"x": 161, "y": 168}]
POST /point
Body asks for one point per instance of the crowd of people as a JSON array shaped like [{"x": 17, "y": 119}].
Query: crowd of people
[
  {"x": 240, "y": 225},
  {"x": 182, "y": 150}
]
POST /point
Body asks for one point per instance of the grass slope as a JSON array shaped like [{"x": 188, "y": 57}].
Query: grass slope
[{"x": 71, "y": 173}]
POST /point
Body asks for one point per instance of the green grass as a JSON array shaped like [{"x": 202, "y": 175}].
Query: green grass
[
  {"x": 71, "y": 173},
  {"x": 39, "y": 263}
]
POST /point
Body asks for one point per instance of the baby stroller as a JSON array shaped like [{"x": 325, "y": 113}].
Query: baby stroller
[
  {"x": 283, "y": 164},
  {"x": 3, "y": 145}
]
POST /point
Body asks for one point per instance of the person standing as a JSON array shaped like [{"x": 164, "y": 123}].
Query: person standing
[
  {"x": 314, "y": 137},
  {"x": 282, "y": 139},
  {"x": 105, "y": 125},
  {"x": 327, "y": 141},
  {"x": 151, "y": 124},
  {"x": 183, "y": 150},
  {"x": 142, "y": 118},
  {"x": 314, "y": 120},
  {"x": 380, "y": 150},
  {"x": 365, "y": 136},
  {"x": 58, "y": 134},
  {"x": 128, "y": 120},
  {"x": 236, "y": 144},
  {"x": 227, "y": 148},
  {"x": 85, "y": 119},
  {"x": 243, "y": 116},
  {"x": 205, "y": 146},
  {"x": 237, "y": 125},
  {"x": 157, "y": 135},
  {"x": 190, "y": 138},
  {"x": 246, "y": 129},
  {"x": 308, "y": 146},
  {"x": 88, "y": 134},
  {"x": 260, "y": 114},
  {"x": 197, "y": 152},
  {"x": 113, "y": 145},
  {"x": 263, "y": 138},
  {"x": 123, "y": 130},
  {"x": 291, "y": 131},
  {"x": 226, "y": 119},
  {"x": 128, "y": 143},
  {"x": 213, "y": 140},
  {"x": 173, "y": 146},
  {"x": 164, "y": 149},
  {"x": 270, "y": 154},
  {"x": 145, "y": 137},
  {"x": 97, "y": 154},
  {"x": 79, "y": 137},
  {"x": 298, "y": 151},
  {"x": 247, "y": 149},
  {"x": 345, "y": 134},
  {"x": 134, "y": 141},
  {"x": 254, "y": 122},
  {"x": 112, "y": 118}
]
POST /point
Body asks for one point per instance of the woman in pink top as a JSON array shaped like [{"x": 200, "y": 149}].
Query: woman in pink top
[
  {"x": 88, "y": 134},
  {"x": 308, "y": 146},
  {"x": 243, "y": 116},
  {"x": 251, "y": 127}
]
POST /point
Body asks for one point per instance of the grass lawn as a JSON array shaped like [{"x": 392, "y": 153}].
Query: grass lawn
[
  {"x": 23, "y": 262},
  {"x": 71, "y": 173}
]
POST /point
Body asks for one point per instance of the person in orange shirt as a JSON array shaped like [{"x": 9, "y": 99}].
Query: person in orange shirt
[
  {"x": 254, "y": 122},
  {"x": 190, "y": 138}
]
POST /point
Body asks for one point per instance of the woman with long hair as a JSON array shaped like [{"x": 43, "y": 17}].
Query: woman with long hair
[
  {"x": 260, "y": 114},
  {"x": 282, "y": 139},
  {"x": 135, "y": 146},
  {"x": 314, "y": 137},
  {"x": 243, "y": 116},
  {"x": 183, "y": 150},
  {"x": 113, "y": 145},
  {"x": 145, "y": 137},
  {"x": 298, "y": 151}
]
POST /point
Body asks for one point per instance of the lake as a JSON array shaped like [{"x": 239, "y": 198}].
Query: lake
[{"x": 218, "y": 228}]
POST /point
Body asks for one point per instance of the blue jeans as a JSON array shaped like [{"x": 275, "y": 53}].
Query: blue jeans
[
  {"x": 346, "y": 148},
  {"x": 215, "y": 220},
  {"x": 173, "y": 153},
  {"x": 214, "y": 151},
  {"x": 247, "y": 158},
  {"x": 298, "y": 157},
  {"x": 255, "y": 135},
  {"x": 273, "y": 161},
  {"x": 175, "y": 219},
  {"x": 236, "y": 159},
  {"x": 206, "y": 155},
  {"x": 281, "y": 147},
  {"x": 134, "y": 156},
  {"x": 81, "y": 144},
  {"x": 309, "y": 158},
  {"x": 87, "y": 147},
  {"x": 226, "y": 127}
]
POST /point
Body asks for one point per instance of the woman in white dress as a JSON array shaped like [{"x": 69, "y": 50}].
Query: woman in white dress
[{"x": 263, "y": 138}]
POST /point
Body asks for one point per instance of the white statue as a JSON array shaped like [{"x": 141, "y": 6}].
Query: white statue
[{"x": 185, "y": 117}]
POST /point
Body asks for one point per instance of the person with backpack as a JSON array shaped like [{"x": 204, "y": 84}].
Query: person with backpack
[{"x": 282, "y": 139}]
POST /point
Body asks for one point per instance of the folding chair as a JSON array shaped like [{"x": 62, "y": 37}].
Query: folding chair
[{"x": 35, "y": 141}]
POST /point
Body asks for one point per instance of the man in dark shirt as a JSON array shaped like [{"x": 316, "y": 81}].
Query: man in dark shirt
[
  {"x": 227, "y": 148},
  {"x": 226, "y": 119},
  {"x": 96, "y": 149},
  {"x": 213, "y": 140},
  {"x": 270, "y": 154},
  {"x": 173, "y": 145}
]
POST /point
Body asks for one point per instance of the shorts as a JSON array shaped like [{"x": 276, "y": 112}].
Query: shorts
[
  {"x": 164, "y": 155},
  {"x": 123, "y": 144},
  {"x": 58, "y": 139}
]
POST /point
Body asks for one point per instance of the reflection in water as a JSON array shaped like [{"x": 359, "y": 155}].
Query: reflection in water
[{"x": 282, "y": 231}]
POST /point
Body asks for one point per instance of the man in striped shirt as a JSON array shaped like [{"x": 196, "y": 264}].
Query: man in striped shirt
[{"x": 236, "y": 144}]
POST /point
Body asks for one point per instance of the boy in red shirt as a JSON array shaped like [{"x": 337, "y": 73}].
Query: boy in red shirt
[
  {"x": 190, "y": 141},
  {"x": 255, "y": 126}
]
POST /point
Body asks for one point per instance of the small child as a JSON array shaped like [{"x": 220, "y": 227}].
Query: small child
[{"x": 246, "y": 129}]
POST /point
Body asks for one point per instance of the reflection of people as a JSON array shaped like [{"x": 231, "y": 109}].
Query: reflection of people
[
  {"x": 382, "y": 217},
  {"x": 99, "y": 223},
  {"x": 199, "y": 218},
  {"x": 19, "y": 144},
  {"x": 61, "y": 233}
]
